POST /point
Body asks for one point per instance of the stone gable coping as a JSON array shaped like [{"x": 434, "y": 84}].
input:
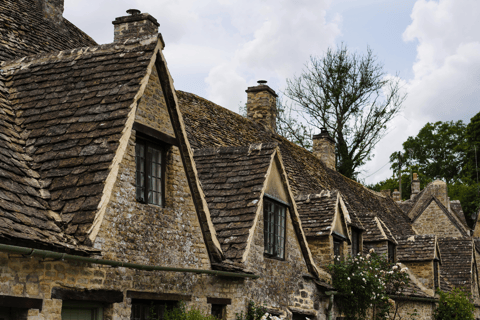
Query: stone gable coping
[
  {"x": 452, "y": 217},
  {"x": 73, "y": 110},
  {"x": 209, "y": 125}
]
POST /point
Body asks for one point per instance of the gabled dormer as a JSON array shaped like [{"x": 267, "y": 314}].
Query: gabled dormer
[
  {"x": 324, "y": 220},
  {"x": 421, "y": 254}
]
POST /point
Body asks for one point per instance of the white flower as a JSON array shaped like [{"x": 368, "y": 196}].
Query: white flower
[
  {"x": 348, "y": 278},
  {"x": 394, "y": 267},
  {"x": 368, "y": 256},
  {"x": 371, "y": 250},
  {"x": 364, "y": 280},
  {"x": 352, "y": 292}
]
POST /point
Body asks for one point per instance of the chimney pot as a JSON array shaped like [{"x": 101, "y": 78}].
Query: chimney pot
[
  {"x": 133, "y": 11},
  {"x": 135, "y": 25},
  {"x": 324, "y": 148},
  {"x": 262, "y": 105}
]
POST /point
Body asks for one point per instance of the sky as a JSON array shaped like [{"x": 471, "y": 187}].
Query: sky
[{"x": 217, "y": 48}]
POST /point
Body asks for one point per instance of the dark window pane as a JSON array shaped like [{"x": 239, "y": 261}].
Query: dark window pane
[
  {"x": 218, "y": 311},
  {"x": 149, "y": 172},
  {"x": 150, "y": 310},
  {"x": 391, "y": 252},
  {"x": 355, "y": 242},
  {"x": 274, "y": 228}
]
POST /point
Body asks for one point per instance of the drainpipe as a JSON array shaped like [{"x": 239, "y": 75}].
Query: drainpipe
[
  {"x": 331, "y": 294},
  {"x": 63, "y": 256}
]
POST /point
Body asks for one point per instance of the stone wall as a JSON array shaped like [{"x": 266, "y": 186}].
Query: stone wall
[
  {"x": 324, "y": 149},
  {"x": 423, "y": 271},
  {"x": 166, "y": 236},
  {"x": 413, "y": 310},
  {"x": 434, "y": 221}
]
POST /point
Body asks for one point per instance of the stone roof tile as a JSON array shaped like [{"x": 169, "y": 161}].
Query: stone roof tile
[
  {"x": 25, "y": 31},
  {"x": 232, "y": 179},
  {"x": 56, "y": 153},
  {"x": 416, "y": 248},
  {"x": 457, "y": 255}
]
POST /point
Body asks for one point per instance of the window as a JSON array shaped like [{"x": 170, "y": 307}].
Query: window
[
  {"x": 435, "y": 274},
  {"x": 150, "y": 309},
  {"x": 391, "y": 252},
  {"x": 274, "y": 231},
  {"x": 72, "y": 310},
  {"x": 150, "y": 171},
  {"x": 219, "y": 311},
  {"x": 355, "y": 242},
  {"x": 337, "y": 249}
]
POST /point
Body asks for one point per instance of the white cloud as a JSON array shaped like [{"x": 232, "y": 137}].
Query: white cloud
[{"x": 446, "y": 82}]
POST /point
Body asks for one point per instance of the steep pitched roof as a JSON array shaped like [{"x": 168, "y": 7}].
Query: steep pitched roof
[
  {"x": 232, "y": 179},
  {"x": 71, "y": 112},
  {"x": 318, "y": 210},
  {"x": 456, "y": 207},
  {"x": 457, "y": 255},
  {"x": 416, "y": 248},
  {"x": 209, "y": 125},
  {"x": 25, "y": 31}
]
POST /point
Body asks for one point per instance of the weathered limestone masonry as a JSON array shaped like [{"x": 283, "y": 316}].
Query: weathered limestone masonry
[
  {"x": 434, "y": 221},
  {"x": 423, "y": 270},
  {"x": 324, "y": 148},
  {"x": 134, "y": 26},
  {"x": 414, "y": 310},
  {"x": 262, "y": 105},
  {"x": 415, "y": 186}
]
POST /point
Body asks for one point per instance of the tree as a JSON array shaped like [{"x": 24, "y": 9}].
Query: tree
[
  {"x": 351, "y": 96},
  {"x": 438, "y": 151},
  {"x": 472, "y": 134},
  {"x": 455, "y": 305}
]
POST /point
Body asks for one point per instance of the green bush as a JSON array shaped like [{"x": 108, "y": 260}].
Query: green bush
[
  {"x": 363, "y": 284},
  {"x": 181, "y": 313},
  {"x": 455, "y": 305}
]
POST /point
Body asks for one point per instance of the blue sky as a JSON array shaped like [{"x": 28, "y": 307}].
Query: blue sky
[{"x": 217, "y": 48}]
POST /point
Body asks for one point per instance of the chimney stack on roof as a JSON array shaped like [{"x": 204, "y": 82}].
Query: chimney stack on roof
[
  {"x": 324, "y": 148},
  {"x": 53, "y": 11},
  {"x": 396, "y": 195},
  {"x": 135, "y": 25},
  {"x": 415, "y": 186},
  {"x": 262, "y": 105}
]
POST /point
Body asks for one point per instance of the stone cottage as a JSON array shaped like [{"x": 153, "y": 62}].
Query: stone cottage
[{"x": 120, "y": 195}]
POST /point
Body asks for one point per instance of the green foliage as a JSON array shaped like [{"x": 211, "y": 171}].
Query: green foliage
[
  {"x": 254, "y": 312},
  {"x": 438, "y": 151},
  {"x": 349, "y": 95},
  {"x": 363, "y": 284},
  {"x": 182, "y": 313},
  {"x": 455, "y": 305},
  {"x": 445, "y": 151}
]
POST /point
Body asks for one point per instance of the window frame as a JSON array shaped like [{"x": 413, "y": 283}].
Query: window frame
[
  {"x": 436, "y": 278},
  {"x": 338, "y": 241},
  {"x": 277, "y": 204},
  {"x": 140, "y": 306},
  {"x": 356, "y": 241},
  {"x": 162, "y": 147},
  {"x": 391, "y": 252}
]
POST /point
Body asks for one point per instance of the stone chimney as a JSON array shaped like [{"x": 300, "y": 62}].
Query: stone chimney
[
  {"x": 324, "y": 148},
  {"x": 386, "y": 193},
  {"x": 396, "y": 195},
  {"x": 415, "y": 186},
  {"x": 134, "y": 26},
  {"x": 53, "y": 11},
  {"x": 262, "y": 105}
]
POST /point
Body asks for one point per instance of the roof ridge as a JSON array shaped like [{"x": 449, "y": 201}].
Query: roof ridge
[
  {"x": 235, "y": 150},
  {"x": 20, "y": 63}
]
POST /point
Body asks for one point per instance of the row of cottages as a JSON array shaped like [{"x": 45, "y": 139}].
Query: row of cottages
[{"x": 120, "y": 195}]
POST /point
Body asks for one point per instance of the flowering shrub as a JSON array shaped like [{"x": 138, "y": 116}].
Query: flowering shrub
[
  {"x": 454, "y": 305},
  {"x": 363, "y": 283}
]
